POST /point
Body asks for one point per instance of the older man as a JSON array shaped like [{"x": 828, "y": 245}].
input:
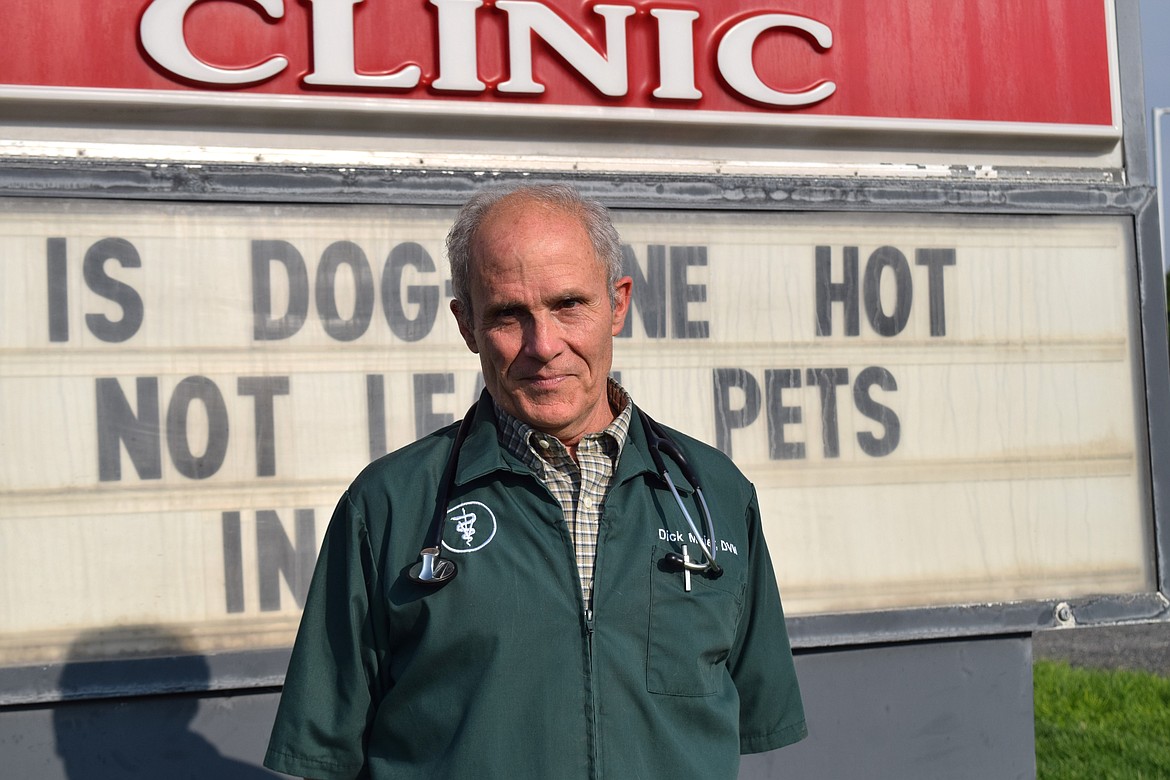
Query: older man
[{"x": 588, "y": 634}]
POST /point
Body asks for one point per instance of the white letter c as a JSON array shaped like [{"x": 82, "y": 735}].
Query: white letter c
[
  {"x": 161, "y": 31},
  {"x": 735, "y": 59}
]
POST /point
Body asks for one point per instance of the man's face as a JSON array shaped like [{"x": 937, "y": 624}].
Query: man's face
[{"x": 541, "y": 319}]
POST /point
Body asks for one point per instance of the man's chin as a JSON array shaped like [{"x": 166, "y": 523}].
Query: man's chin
[{"x": 545, "y": 419}]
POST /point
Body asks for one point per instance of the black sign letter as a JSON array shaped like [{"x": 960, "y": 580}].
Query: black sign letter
[
  {"x": 425, "y": 296},
  {"x": 882, "y": 258},
  {"x": 264, "y": 326},
  {"x": 845, "y": 291},
  {"x": 264, "y": 388},
  {"x": 426, "y": 387},
  {"x": 870, "y": 444},
  {"x": 376, "y": 414},
  {"x": 278, "y": 557},
  {"x": 727, "y": 418},
  {"x": 338, "y": 254},
  {"x": 776, "y": 380},
  {"x": 94, "y": 270},
  {"x": 202, "y": 389},
  {"x": 935, "y": 261},
  {"x": 117, "y": 424},
  {"x": 827, "y": 380},
  {"x": 649, "y": 293},
  {"x": 681, "y": 293},
  {"x": 58, "y": 289}
]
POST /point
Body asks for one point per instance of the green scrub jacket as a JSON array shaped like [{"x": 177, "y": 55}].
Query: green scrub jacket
[{"x": 502, "y": 672}]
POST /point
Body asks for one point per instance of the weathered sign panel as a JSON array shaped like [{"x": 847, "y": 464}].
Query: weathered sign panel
[{"x": 934, "y": 409}]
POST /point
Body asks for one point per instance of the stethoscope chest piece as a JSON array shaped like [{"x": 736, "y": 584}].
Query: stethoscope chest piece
[{"x": 432, "y": 570}]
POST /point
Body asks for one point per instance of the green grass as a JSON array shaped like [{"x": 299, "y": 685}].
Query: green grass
[{"x": 1100, "y": 724}]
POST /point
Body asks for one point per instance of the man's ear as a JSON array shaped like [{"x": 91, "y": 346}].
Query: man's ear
[
  {"x": 465, "y": 329},
  {"x": 622, "y": 289}
]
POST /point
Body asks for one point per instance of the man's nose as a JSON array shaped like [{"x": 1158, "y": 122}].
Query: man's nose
[{"x": 542, "y": 337}]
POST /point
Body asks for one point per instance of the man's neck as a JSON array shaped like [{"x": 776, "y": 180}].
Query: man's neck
[{"x": 617, "y": 399}]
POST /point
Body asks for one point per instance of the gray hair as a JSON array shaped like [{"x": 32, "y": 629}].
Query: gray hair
[{"x": 595, "y": 218}]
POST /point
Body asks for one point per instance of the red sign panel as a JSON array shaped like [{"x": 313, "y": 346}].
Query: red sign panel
[{"x": 1017, "y": 61}]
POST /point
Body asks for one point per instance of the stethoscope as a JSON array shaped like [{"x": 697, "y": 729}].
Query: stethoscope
[{"x": 433, "y": 569}]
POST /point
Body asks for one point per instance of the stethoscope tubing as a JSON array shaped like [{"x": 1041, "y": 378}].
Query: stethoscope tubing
[
  {"x": 433, "y": 569},
  {"x": 658, "y": 442},
  {"x": 707, "y": 550}
]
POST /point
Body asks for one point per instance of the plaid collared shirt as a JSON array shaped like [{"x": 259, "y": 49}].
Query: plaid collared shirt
[{"x": 580, "y": 486}]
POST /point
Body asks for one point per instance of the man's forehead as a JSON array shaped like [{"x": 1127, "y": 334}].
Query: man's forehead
[
  {"x": 523, "y": 208},
  {"x": 510, "y": 229}
]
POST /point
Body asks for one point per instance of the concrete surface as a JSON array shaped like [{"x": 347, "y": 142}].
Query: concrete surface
[{"x": 1142, "y": 647}]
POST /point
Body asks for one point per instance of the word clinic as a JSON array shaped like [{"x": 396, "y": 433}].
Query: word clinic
[{"x": 164, "y": 40}]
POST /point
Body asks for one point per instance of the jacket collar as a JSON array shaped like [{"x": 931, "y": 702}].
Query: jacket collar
[
  {"x": 636, "y": 459},
  {"x": 482, "y": 453}
]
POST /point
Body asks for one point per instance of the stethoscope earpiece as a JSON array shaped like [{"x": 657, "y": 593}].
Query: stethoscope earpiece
[{"x": 679, "y": 563}]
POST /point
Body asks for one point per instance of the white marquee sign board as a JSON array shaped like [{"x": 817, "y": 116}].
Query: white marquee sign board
[{"x": 935, "y": 410}]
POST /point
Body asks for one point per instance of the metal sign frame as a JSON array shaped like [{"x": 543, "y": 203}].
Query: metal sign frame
[{"x": 1038, "y": 193}]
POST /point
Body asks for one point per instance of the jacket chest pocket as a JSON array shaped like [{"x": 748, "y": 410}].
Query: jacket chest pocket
[{"x": 690, "y": 632}]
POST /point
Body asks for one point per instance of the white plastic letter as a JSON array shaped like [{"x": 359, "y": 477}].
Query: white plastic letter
[
  {"x": 333, "y": 62},
  {"x": 735, "y": 59},
  {"x": 161, "y": 32},
  {"x": 458, "y": 50},
  {"x": 676, "y": 54},
  {"x": 607, "y": 71}
]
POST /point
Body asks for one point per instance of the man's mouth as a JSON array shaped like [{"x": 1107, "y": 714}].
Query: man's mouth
[{"x": 544, "y": 382}]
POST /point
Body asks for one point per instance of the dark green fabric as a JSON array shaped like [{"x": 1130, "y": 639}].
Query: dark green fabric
[{"x": 496, "y": 673}]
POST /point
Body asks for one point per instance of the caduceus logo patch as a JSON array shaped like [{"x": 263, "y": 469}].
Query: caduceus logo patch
[{"x": 474, "y": 526}]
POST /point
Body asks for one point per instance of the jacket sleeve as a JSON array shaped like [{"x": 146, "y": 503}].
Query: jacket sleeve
[
  {"x": 329, "y": 694},
  {"x": 771, "y": 714}
]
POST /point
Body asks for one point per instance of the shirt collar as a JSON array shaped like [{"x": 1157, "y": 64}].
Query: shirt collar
[{"x": 523, "y": 441}]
